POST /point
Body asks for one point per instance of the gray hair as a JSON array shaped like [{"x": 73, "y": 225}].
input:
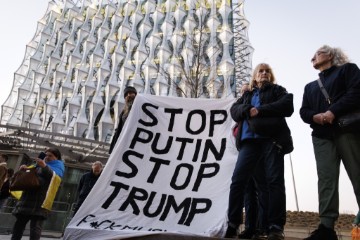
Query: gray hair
[
  {"x": 339, "y": 57},
  {"x": 98, "y": 163}
]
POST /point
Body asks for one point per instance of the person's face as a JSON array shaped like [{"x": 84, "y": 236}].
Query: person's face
[
  {"x": 2, "y": 159},
  {"x": 49, "y": 156},
  {"x": 321, "y": 60},
  {"x": 130, "y": 97},
  {"x": 263, "y": 74},
  {"x": 96, "y": 168}
]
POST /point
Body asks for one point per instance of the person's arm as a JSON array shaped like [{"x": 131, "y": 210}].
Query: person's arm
[
  {"x": 283, "y": 106},
  {"x": 3, "y": 172},
  {"x": 350, "y": 100},
  {"x": 81, "y": 184},
  {"x": 239, "y": 110},
  {"x": 117, "y": 133},
  {"x": 46, "y": 172},
  {"x": 306, "y": 111}
]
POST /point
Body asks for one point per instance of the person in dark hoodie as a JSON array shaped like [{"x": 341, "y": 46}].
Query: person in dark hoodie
[
  {"x": 262, "y": 140},
  {"x": 129, "y": 96},
  {"x": 87, "y": 182}
]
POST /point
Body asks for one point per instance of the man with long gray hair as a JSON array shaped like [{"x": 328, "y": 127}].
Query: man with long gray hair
[{"x": 334, "y": 94}]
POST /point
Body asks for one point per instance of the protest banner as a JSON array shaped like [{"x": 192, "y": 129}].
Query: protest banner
[{"x": 170, "y": 172}]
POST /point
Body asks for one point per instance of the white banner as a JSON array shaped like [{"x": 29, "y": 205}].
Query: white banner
[{"x": 170, "y": 172}]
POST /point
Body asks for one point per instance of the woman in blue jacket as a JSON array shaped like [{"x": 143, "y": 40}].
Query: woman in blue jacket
[{"x": 262, "y": 141}]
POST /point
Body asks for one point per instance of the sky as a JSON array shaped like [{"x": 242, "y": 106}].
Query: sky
[{"x": 283, "y": 33}]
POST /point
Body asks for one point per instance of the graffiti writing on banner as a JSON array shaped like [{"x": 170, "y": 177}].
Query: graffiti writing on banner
[
  {"x": 169, "y": 152},
  {"x": 111, "y": 225}
]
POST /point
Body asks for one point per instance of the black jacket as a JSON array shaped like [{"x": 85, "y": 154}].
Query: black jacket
[
  {"x": 122, "y": 119},
  {"x": 5, "y": 190},
  {"x": 275, "y": 104},
  {"x": 87, "y": 182},
  {"x": 343, "y": 86}
]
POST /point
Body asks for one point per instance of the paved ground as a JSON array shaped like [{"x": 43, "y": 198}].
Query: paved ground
[
  {"x": 55, "y": 236},
  {"x": 291, "y": 234},
  {"x": 8, "y": 237}
]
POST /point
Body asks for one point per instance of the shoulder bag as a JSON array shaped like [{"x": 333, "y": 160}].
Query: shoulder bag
[
  {"x": 347, "y": 119},
  {"x": 236, "y": 128},
  {"x": 24, "y": 179}
]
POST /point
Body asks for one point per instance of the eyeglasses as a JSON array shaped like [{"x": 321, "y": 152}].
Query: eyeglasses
[
  {"x": 318, "y": 53},
  {"x": 264, "y": 71}
]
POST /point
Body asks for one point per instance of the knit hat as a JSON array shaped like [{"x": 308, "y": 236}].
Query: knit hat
[{"x": 129, "y": 89}]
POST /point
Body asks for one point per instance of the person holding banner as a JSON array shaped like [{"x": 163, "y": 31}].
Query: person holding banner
[
  {"x": 129, "y": 96},
  {"x": 262, "y": 140}
]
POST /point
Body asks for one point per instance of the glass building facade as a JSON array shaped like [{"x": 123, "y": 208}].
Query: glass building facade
[{"x": 68, "y": 91}]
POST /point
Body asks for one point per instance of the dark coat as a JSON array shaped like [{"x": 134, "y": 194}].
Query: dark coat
[
  {"x": 343, "y": 86},
  {"x": 3, "y": 173},
  {"x": 87, "y": 182},
  {"x": 31, "y": 201},
  {"x": 5, "y": 190},
  {"x": 275, "y": 104},
  {"x": 122, "y": 119}
]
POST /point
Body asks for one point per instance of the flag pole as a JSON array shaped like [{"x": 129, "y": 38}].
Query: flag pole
[{"x": 293, "y": 178}]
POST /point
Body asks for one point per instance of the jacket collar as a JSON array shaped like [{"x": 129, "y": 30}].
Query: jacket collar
[
  {"x": 266, "y": 85},
  {"x": 327, "y": 71}
]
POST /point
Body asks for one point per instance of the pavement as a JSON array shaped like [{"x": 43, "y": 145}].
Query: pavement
[
  {"x": 45, "y": 235},
  {"x": 8, "y": 237},
  {"x": 156, "y": 237},
  {"x": 290, "y": 233},
  {"x": 151, "y": 237}
]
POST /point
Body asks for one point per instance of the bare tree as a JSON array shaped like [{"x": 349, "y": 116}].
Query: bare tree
[{"x": 192, "y": 69}]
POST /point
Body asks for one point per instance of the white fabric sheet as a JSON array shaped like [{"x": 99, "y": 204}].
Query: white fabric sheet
[{"x": 170, "y": 172}]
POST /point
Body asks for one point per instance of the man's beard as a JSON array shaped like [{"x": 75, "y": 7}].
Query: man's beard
[
  {"x": 129, "y": 100},
  {"x": 128, "y": 104}
]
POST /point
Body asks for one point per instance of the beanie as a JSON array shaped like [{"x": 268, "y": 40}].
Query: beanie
[{"x": 129, "y": 89}]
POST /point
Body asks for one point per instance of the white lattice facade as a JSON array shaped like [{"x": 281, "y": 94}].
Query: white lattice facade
[{"x": 83, "y": 55}]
